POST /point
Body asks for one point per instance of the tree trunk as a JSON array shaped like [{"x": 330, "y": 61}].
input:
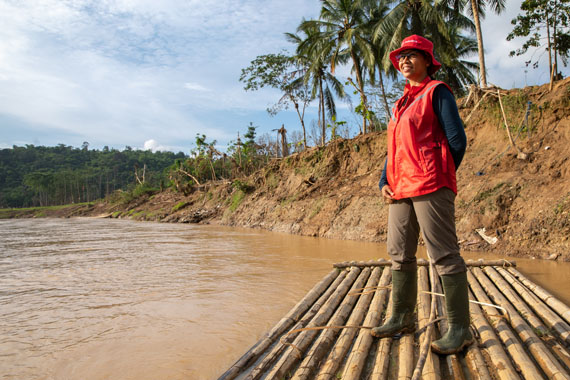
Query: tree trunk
[
  {"x": 383, "y": 90},
  {"x": 322, "y": 116},
  {"x": 361, "y": 90},
  {"x": 555, "y": 39},
  {"x": 482, "y": 68},
  {"x": 301, "y": 117},
  {"x": 549, "y": 47}
]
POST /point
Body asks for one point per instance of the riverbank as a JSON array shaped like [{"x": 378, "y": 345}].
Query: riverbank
[{"x": 513, "y": 199}]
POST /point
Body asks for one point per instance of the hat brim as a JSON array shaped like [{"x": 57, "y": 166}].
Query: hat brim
[{"x": 435, "y": 65}]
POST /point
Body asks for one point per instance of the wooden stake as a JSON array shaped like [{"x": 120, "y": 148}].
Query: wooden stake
[
  {"x": 521, "y": 155},
  {"x": 426, "y": 313}
]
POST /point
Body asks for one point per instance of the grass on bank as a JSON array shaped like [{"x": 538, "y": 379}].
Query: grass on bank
[{"x": 36, "y": 212}]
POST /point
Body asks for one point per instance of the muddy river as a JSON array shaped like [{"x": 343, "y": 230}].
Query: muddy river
[{"x": 110, "y": 299}]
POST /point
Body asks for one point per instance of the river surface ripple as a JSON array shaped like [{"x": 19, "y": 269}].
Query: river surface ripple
[{"x": 113, "y": 299}]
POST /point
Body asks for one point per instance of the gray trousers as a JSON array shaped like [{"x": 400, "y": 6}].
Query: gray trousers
[{"x": 434, "y": 214}]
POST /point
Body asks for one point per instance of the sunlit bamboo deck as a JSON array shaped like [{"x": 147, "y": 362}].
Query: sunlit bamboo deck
[{"x": 528, "y": 337}]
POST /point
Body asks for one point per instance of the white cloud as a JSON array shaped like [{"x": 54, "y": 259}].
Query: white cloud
[{"x": 195, "y": 87}]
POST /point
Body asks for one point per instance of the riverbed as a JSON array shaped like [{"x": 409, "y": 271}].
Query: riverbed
[{"x": 90, "y": 298}]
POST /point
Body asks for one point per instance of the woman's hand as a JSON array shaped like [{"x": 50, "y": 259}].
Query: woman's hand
[{"x": 388, "y": 194}]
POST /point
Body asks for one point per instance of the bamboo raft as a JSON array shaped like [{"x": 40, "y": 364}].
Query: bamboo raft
[{"x": 521, "y": 330}]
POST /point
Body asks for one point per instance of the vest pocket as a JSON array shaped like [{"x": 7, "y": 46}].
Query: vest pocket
[{"x": 428, "y": 159}]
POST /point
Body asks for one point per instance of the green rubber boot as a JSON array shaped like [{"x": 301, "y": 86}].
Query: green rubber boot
[
  {"x": 404, "y": 293},
  {"x": 458, "y": 335}
]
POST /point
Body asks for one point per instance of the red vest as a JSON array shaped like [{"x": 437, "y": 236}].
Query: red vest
[{"x": 419, "y": 159}]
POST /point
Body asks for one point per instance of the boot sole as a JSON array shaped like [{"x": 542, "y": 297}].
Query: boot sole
[
  {"x": 465, "y": 344},
  {"x": 405, "y": 330}
]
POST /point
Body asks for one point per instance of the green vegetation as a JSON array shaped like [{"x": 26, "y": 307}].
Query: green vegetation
[
  {"x": 236, "y": 199},
  {"x": 38, "y": 212},
  {"x": 47, "y": 176},
  {"x": 179, "y": 206}
]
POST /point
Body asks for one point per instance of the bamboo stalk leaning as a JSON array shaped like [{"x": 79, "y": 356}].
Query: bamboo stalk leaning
[
  {"x": 331, "y": 365},
  {"x": 429, "y": 369}
]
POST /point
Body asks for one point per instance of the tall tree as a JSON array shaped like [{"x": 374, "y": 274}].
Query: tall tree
[
  {"x": 431, "y": 19},
  {"x": 478, "y": 12},
  {"x": 281, "y": 72},
  {"x": 342, "y": 33},
  {"x": 554, "y": 17},
  {"x": 319, "y": 79}
]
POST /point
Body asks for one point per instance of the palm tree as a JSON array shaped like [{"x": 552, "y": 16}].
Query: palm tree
[
  {"x": 455, "y": 71},
  {"x": 423, "y": 17},
  {"x": 320, "y": 80},
  {"x": 478, "y": 11},
  {"x": 375, "y": 11},
  {"x": 341, "y": 35}
]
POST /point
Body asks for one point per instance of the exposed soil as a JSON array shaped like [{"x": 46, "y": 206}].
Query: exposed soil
[{"x": 332, "y": 192}]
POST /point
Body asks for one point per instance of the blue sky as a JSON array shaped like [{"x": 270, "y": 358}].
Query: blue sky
[{"x": 152, "y": 74}]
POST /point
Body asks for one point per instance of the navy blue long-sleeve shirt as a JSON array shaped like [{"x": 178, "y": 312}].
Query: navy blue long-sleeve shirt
[{"x": 445, "y": 109}]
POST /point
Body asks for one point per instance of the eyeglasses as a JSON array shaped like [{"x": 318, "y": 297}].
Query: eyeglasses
[{"x": 411, "y": 55}]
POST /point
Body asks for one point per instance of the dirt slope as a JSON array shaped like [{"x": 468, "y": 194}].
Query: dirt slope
[{"x": 332, "y": 192}]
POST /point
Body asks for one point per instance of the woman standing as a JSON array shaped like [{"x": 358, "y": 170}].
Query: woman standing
[{"x": 426, "y": 143}]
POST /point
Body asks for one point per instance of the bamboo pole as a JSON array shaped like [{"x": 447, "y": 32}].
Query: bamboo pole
[
  {"x": 501, "y": 365},
  {"x": 556, "y": 305},
  {"x": 423, "y": 262},
  {"x": 521, "y": 155},
  {"x": 515, "y": 349},
  {"x": 293, "y": 354},
  {"x": 287, "y": 321},
  {"x": 426, "y": 313},
  {"x": 382, "y": 359},
  {"x": 355, "y": 362},
  {"x": 309, "y": 365},
  {"x": 406, "y": 362},
  {"x": 272, "y": 355},
  {"x": 476, "y": 363},
  {"x": 451, "y": 361},
  {"x": 511, "y": 301},
  {"x": 332, "y": 363},
  {"x": 552, "y": 320}
]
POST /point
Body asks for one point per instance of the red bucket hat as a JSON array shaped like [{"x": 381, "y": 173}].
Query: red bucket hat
[{"x": 419, "y": 43}]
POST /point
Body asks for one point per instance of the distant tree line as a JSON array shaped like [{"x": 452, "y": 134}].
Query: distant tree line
[{"x": 45, "y": 176}]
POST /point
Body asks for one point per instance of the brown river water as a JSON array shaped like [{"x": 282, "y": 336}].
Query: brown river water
[{"x": 114, "y": 299}]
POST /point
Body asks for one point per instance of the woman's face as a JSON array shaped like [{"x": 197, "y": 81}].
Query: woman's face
[{"x": 413, "y": 65}]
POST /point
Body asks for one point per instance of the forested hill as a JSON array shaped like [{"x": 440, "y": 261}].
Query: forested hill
[{"x": 45, "y": 176}]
